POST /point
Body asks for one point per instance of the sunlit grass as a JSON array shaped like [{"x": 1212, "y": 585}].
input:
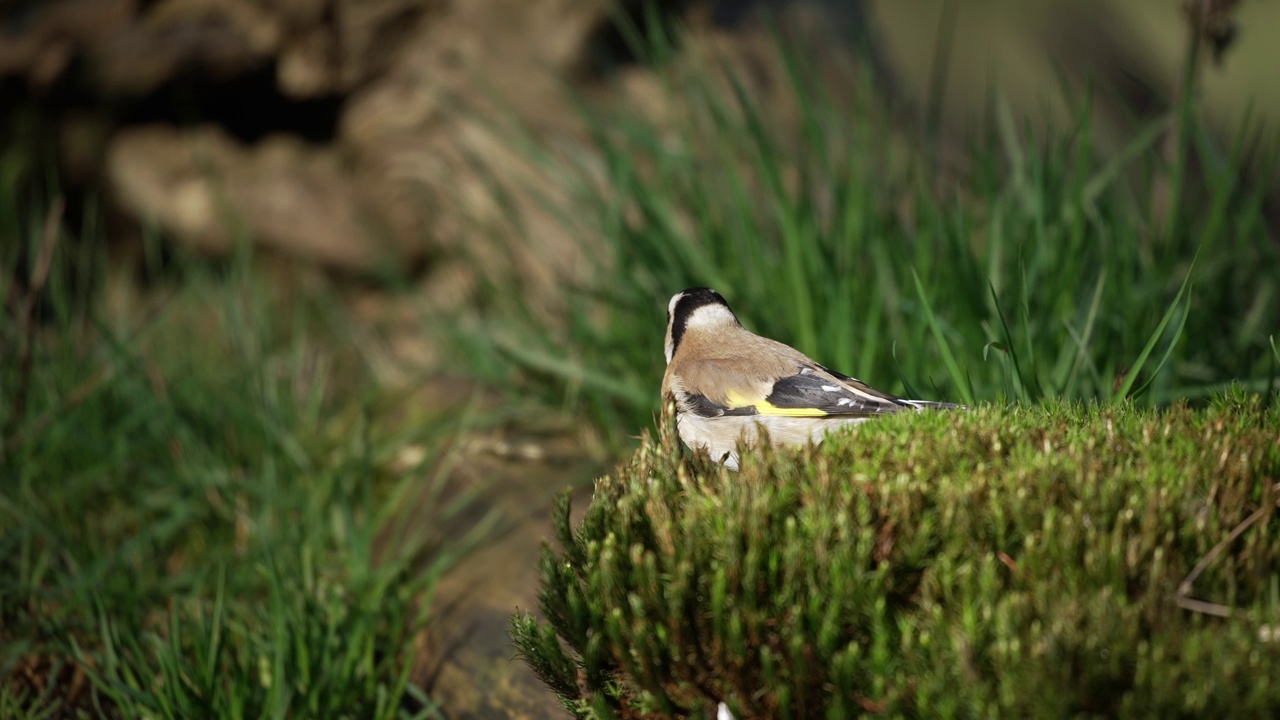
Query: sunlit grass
[{"x": 1032, "y": 268}]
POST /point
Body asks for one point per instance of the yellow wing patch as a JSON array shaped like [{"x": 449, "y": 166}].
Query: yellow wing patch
[{"x": 764, "y": 407}]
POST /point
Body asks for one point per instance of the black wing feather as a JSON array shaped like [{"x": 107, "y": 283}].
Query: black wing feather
[
  {"x": 811, "y": 390},
  {"x": 704, "y": 406}
]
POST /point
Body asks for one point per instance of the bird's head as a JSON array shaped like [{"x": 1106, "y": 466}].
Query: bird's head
[{"x": 700, "y": 309}]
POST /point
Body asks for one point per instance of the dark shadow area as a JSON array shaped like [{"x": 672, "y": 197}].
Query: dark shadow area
[
  {"x": 631, "y": 35},
  {"x": 248, "y": 106}
]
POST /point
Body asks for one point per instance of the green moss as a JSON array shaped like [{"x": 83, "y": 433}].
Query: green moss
[{"x": 1022, "y": 562}]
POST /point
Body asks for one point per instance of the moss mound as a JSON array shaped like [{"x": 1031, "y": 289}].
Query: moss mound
[{"x": 1034, "y": 562}]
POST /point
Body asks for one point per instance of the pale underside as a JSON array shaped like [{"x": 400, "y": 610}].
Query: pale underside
[{"x": 718, "y": 435}]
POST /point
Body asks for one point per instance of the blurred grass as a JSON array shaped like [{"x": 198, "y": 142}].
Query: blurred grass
[
  {"x": 1124, "y": 49},
  {"x": 1061, "y": 560},
  {"x": 204, "y": 510},
  {"x": 1041, "y": 271}
]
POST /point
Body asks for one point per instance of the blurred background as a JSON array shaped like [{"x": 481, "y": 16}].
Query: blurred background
[
  {"x": 278, "y": 274},
  {"x": 338, "y": 131}
]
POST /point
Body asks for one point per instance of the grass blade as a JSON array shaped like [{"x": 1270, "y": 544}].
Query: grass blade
[
  {"x": 1131, "y": 376},
  {"x": 957, "y": 377},
  {"x": 1010, "y": 347}
]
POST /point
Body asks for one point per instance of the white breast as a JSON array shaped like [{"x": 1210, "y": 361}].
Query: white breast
[{"x": 719, "y": 435}]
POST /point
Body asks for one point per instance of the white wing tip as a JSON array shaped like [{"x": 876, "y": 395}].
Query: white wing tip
[{"x": 932, "y": 405}]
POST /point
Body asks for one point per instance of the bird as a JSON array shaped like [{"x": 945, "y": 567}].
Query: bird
[{"x": 726, "y": 383}]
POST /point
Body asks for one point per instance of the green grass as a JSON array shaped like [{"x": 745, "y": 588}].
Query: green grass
[
  {"x": 1030, "y": 267},
  {"x": 203, "y": 506},
  {"x": 1049, "y": 561}
]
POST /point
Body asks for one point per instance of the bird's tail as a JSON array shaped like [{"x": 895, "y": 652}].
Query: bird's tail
[{"x": 931, "y": 405}]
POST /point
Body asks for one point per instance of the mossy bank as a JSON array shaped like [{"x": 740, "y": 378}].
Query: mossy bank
[{"x": 1045, "y": 561}]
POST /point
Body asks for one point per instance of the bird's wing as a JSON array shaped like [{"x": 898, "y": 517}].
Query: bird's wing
[
  {"x": 816, "y": 391},
  {"x": 804, "y": 389}
]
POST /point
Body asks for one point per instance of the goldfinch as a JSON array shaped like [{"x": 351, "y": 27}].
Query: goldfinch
[{"x": 727, "y": 382}]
